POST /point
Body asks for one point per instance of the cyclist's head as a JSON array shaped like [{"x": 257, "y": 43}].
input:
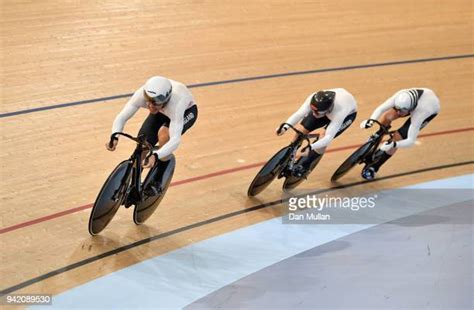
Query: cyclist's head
[
  {"x": 322, "y": 102},
  {"x": 157, "y": 90},
  {"x": 405, "y": 102}
]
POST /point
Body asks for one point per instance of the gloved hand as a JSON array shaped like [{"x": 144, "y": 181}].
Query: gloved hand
[
  {"x": 366, "y": 124},
  {"x": 111, "y": 145},
  {"x": 387, "y": 146},
  {"x": 282, "y": 129}
]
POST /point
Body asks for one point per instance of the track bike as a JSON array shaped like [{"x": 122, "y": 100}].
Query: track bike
[
  {"x": 282, "y": 164},
  {"x": 366, "y": 153},
  {"x": 124, "y": 187}
]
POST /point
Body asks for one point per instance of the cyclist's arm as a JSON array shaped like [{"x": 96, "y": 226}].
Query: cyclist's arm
[
  {"x": 128, "y": 111},
  {"x": 387, "y": 105},
  {"x": 300, "y": 113},
  {"x": 413, "y": 131},
  {"x": 330, "y": 133},
  {"x": 175, "y": 130}
]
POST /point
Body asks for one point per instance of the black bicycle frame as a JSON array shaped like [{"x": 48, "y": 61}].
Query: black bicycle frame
[
  {"x": 136, "y": 158},
  {"x": 377, "y": 138},
  {"x": 295, "y": 145}
]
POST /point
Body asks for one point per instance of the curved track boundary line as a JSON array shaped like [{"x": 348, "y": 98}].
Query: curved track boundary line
[
  {"x": 207, "y": 222},
  {"x": 245, "y": 79}
]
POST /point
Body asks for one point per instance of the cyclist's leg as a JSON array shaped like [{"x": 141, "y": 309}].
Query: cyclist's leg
[
  {"x": 400, "y": 134},
  {"x": 301, "y": 128},
  {"x": 388, "y": 117},
  {"x": 382, "y": 157},
  {"x": 370, "y": 169},
  {"x": 151, "y": 126},
  {"x": 190, "y": 116},
  {"x": 348, "y": 121},
  {"x": 315, "y": 155},
  {"x": 309, "y": 124},
  {"x": 163, "y": 135},
  {"x": 150, "y": 129}
]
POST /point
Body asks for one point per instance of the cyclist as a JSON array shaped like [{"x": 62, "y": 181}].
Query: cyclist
[
  {"x": 334, "y": 109},
  {"x": 421, "y": 105},
  {"x": 173, "y": 111}
]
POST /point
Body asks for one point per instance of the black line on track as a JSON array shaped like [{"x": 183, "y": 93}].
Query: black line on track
[
  {"x": 209, "y": 221},
  {"x": 246, "y": 79}
]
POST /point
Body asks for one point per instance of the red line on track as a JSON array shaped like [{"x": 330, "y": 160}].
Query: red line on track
[{"x": 203, "y": 177}]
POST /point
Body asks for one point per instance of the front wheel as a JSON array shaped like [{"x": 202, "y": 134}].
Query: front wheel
[
  {"x": 269, "y": 171},
  {"x": 145, "y": 208},
  {"x": 110, "y": 197},
  {"x": 356, "y": 158}
]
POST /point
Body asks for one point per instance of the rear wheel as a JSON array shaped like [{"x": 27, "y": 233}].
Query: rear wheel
[
  {"x": 110, "y": 197},
  {"x": 144, "y": 209},
  {"x": 269, "y": 171},
  {"x": 292, "y": 182},
  {"x": 356, "y": 158}
]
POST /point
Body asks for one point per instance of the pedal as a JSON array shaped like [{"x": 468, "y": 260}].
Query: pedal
[
  {"x": 128, "y": 203},
  {"x": 285, "y": 173},
  {"x": 300, "y": 172},
  {"x": 131, "y": 198},
  {"x": 368, "y": 173}
]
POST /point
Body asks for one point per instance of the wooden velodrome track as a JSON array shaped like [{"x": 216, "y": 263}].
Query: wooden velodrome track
[{"x": 53, "y": 161}]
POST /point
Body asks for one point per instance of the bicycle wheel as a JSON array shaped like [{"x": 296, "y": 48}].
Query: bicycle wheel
[
  {"x": 110, "y": 197},
  {"x": 351, "y": 161},
  {"x": 269, "y": 171},
  {"x": 144, "y": 209},
  {"x": 293, "y": 181}
]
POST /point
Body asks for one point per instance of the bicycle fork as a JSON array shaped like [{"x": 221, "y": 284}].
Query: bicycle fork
[
  {"x": 287, "y": 171},
  {"x": 133, "y": 192}
]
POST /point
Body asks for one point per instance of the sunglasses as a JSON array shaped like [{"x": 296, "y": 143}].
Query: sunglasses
[
  {"x": 316, "y": 111},
  {"x": 156, "y": 101}
]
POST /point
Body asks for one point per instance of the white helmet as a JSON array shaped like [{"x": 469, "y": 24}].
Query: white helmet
[
  {"x": 406, "y": 101},
  {"x": 158, "y": 90}
]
